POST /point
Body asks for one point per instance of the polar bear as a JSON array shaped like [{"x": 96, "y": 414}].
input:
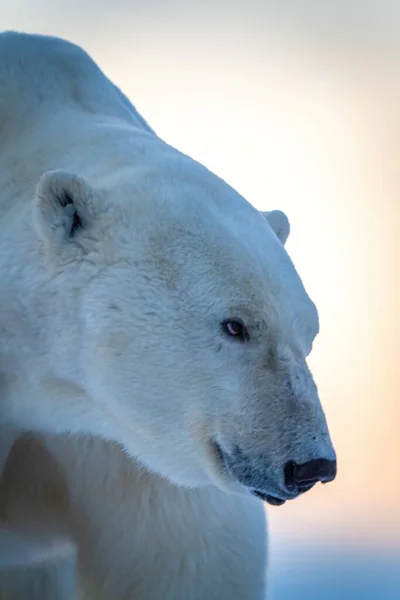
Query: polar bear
[{"x": 153, "y": 343}]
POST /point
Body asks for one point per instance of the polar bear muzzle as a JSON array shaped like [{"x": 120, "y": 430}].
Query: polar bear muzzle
[{"x": 250, "y": 472}]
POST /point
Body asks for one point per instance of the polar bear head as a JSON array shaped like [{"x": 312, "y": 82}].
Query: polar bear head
[{"x": 180, "y": 325}]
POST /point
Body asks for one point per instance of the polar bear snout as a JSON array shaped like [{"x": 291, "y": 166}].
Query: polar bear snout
[
  {"x": 276, "y": 483},
  {"x": 303, "y": 476}
]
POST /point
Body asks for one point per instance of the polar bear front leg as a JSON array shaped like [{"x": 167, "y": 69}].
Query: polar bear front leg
[
  {"x": 176, "y": 544},
  {"x": 211, "y": 546},
  {"x": 139, "y": 537}
]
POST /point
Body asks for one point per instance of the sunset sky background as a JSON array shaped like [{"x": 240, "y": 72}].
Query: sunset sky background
[{"x": 296, "y": 104}]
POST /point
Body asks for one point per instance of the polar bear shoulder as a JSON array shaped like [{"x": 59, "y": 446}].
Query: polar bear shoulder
[{"x": 39, "y": 74}]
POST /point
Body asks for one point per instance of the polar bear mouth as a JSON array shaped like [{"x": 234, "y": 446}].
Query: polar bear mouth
[
  {"x": 273, "y": 500},
  {"x": 279, "y": 501},
  {"x": 223, "y": 460}
]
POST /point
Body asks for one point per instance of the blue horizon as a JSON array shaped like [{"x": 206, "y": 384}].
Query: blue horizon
[{"x": 333, "y": 572}]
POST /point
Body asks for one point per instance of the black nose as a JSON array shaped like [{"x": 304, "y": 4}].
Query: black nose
[{"x": 307, "y": 474}]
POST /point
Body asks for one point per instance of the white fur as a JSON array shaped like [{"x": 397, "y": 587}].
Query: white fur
[
  {"x": 139, "y": 536},
  {"x": 115, "y": 331}
]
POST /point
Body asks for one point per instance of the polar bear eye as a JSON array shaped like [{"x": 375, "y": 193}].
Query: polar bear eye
[{"x": 237, "y": 329}]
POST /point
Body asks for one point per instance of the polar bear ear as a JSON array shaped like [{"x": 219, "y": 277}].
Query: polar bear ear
[
  {"x": 62, "y": 206},
  {"x": 279, "y": 223}
]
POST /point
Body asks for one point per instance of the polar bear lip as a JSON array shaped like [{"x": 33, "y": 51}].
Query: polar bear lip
[{"x": 269, "y": 499}]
